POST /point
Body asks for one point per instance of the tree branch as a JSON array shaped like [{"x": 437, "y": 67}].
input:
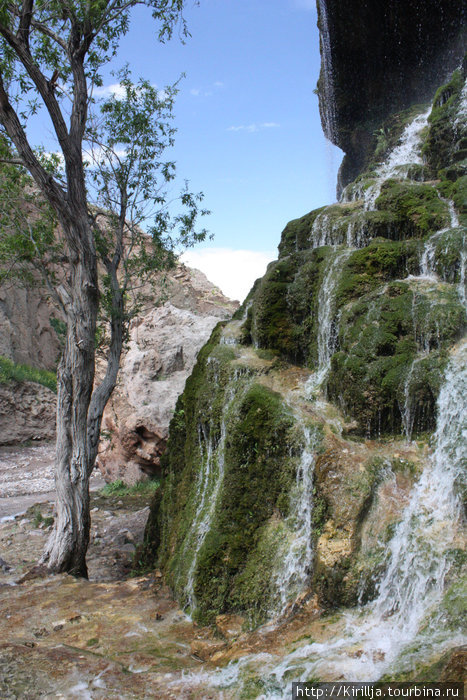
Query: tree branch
[
  {"x": 15, "y": 131},
  {"x": 25, "y": 22},
  {"x": 41, "y": 83}
]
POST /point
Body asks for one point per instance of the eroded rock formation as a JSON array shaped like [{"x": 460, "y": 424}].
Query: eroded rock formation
[
  {"x": 159, "y": 356},
  {"x": 379, "y": 58},
  {"x": 27, "y": 412}
]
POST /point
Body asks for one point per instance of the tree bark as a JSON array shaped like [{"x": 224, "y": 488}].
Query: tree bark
[{"x": 68, "y": 543}]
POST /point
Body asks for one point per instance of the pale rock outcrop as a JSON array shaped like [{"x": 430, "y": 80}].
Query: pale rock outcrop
[{"x": 159, "y": 357}]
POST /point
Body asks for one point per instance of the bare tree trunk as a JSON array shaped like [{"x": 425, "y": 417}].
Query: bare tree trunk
[{"x": 68, "y": 543}]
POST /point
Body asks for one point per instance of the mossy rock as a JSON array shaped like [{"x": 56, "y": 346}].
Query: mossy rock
[
  {"x": 224, "y": 420},
  {"x": 260, "y": 467},
  {"x": 442, "y": 143},
  {"x": 448, "y": 248},
  {"x": 375, "y": 264},
  {"x": 296, "y": 235},
  {"x": 270, "y": 325},
  {"x": 417, "y": 206},
  {"x": 380, "y": 337}
]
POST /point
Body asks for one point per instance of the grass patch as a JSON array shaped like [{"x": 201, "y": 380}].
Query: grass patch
[
  {"x": 10, "y": 371},
  {"x": 119, "y": 488}
]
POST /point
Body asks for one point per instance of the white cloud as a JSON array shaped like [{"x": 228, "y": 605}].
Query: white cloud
[
  {"x": 118, "y": 91},
  {"x": 98, "y": 155},
  {"x": 197, "y": 92},
  {"x": 234, "y": 271},
  {"x": 115, "y": 90},
  {"x": 252, "y": 128}
]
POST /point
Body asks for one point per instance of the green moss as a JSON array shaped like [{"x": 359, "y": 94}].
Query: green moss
[
  {"x": 375, "y": 264},
  {"x": 379, "y": 337},
  {"x": 253, "y": 588},
  {"x": 296, "y": 235},
  {"x": 459, "y": 196},
  {"x": 453, "y": 608},
  {"x": 270, "y": 324},
  {"x": 417, "y": 206},
  {"x": 259, "y": 469},
  {"x": 119, "y": 488},
  {"x": 441, "y": 145}
]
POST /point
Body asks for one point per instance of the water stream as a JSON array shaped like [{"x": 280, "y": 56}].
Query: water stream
[
  {"x": 326, "y": 312},
  {"x": 210, "y": 479},
  {"x": 295, "y": 565},
  {"x": 381, "y": 635}
]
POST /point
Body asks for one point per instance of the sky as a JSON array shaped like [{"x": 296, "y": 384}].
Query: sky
[
  {"x": 249, "y": 133},
  {"x": 248, "y": 128}
]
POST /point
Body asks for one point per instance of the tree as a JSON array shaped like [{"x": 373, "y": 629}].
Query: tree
[{"x": 52, "y": 55}]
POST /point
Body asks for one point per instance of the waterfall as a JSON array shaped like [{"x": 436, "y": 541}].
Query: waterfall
[
  {"x": 326, "y": 307},
  {"x": 407, "y": 152},
  {"x": 329, "y": 112},
  {"x": 294, "y": 570},
  {"x": 209, "y": 482},
  {"x": 416, "y": 561},
  {"x": 462, "y": 281}
]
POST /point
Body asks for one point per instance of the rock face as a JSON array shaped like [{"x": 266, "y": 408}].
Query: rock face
[
  {"x": 159, "y": 356},
  {"x": 379, "y": 58},
  {"x": 27, "y": 412},
  {"x": 28, "y": 327}
]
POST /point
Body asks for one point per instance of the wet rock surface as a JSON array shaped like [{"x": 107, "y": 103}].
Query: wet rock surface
[{"x": 113, "y": 636}]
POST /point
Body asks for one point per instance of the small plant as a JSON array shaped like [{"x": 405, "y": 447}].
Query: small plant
[{"x": 39, "y": 521}]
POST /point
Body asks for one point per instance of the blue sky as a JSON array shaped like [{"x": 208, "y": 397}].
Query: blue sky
[{"x": 249, "y": 134}]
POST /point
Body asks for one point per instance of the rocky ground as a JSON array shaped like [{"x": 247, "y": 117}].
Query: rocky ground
[
  {"x": 121, "y": 636},
  {"x": 27, "y": 477}
]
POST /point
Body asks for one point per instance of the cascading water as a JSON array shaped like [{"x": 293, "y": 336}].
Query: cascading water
[
  {"x": 209, "y": 483},
  {"x": 427, "y": 260},
  {"x": 379, "y": 636},
  {"x": 326, "y": 309},
  {"x": 295, "y": 566},
  {"x": 406, "y": 153}
]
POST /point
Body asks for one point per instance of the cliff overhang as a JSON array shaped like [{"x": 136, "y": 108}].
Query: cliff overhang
[{"x": 380, "y": 57}]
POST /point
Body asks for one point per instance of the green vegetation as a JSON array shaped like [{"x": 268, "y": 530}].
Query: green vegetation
[
  {"x": 379, "y": 336},
  {"x": 417, "y": 207},
  {"x": 38, "y": 519},
  {"x": 12, "y": 372},
  {"x": 119, "y": 488},
  {"x": 441, "y": 146}
]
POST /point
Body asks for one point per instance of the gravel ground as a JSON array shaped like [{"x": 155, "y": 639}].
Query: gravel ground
[{"x": 27, "y": 477}]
